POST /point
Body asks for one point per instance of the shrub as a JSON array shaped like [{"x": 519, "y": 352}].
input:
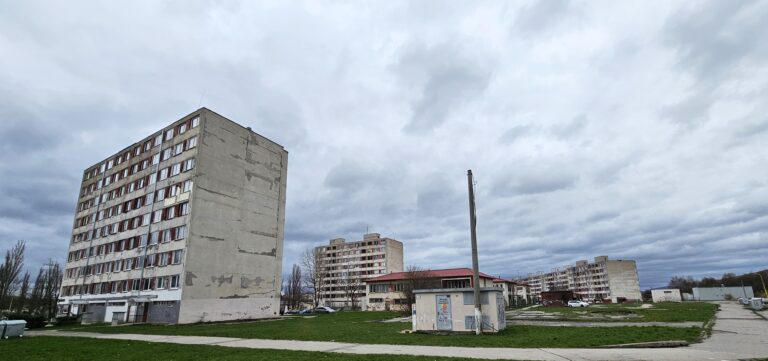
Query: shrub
[
  {"x": 67, "y": 320},
  {"x": 33, "y": 321}
]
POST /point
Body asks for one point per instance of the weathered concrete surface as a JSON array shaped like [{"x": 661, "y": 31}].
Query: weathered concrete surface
[
  {"x": 234, "y": 257},
  {"x": 739, "y": 334}
]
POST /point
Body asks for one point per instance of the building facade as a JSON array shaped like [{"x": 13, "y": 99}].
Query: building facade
[
  {"x": 601, "y": 280},
  {"x": 386, "y": 293},
  {"x": 347, "y": 266},
  {"x": 183, "y": 226}
]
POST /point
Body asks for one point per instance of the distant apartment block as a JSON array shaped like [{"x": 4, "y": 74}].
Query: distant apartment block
[
  {"x": 347, "y": 267},
  {"x": 185, "y": 225},
  {"x": 603, "y": 279}
]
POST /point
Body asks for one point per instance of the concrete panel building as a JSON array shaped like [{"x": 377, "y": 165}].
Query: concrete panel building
[
  {"x": 722, "y": 293},
  {"x": 347, "y": 267},
  {"x": 603, "y": 279},
  {"x": 183, "y": 226}
]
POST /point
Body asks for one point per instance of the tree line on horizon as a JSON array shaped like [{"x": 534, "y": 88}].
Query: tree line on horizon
[{"x": 751, "y": 279}]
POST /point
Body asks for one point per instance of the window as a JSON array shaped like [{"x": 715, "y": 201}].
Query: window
[
  {"x": 142, "y": 240},
  {"x": 154, "y": 237},
  {"x": 146, "y": 285},
  {"x": 178, "y": 149},
  {"x": 169, "y": 134},
  {"x": 127, "y": 263},
  {"x": 167, "y": 235},
  {"x": 156, "y": 159},
  {"x": 175, "y": 190},
  {"x": 175, "y": 169},
  {"x": 175, "y": 281},
  {"x": 191, "y": 142},
  {"x": 157, "y": 216},
  {"x": 149, "y": 200},
  {"x": 182, "y": 128},
  {"x": 195, "y": 122},
  {"x": 152, "y": 177},
  {"x": 177, "y": 256},
  {"x": 166, "y": 154},
  {"x": 117, "y": 265},
  {"x": 189, "y": 164},
  {"x": 163, "y": 260},
  {"x": 171, "y": 212},
  {"x": 163, "y": 174},
  {"x": 181, "y": 232},
  {"x": 160, "y": 195},
  {"x": 184, "y": 209},
  {"x": 187, "y": 186},
  {"x": 161, "y": 283},
  {"x": 158, "y": 139}
]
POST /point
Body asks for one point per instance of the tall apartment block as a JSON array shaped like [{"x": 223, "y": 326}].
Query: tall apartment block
[
  {"x": 602, "y": 279},
  {"x": 347, "y": 266},
  {"x": 183, "y": 226}
]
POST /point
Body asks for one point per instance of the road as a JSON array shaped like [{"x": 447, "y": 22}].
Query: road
[{"x": 738, "y": 334}]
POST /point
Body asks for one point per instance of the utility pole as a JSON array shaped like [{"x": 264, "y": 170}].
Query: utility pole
[{"x": 475, "y": 266}]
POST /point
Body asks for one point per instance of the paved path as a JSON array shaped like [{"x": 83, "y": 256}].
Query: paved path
[
  {"x": 602, "y": 324},
  {"x": 738, "y": 334}
]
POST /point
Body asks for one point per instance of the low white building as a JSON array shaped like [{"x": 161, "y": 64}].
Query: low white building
[{"x": 666, "y": 295}]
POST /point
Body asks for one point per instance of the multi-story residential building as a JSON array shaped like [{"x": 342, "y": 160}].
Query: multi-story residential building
[
  {"x": 603, "y": 279},
  {"x": 515, "y": 293},
  {"x": 387, "y": 292},
  {"x": 347, "y": 266},
  {"x": 184, "y": 226}
]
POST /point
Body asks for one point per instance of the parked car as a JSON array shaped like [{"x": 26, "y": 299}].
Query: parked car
[
  {"x": 305, "y": 311},
  {"x": 577, "y": 303},
  {"x": 324, "y": 309},
  {"x": 743, "y": 301}
]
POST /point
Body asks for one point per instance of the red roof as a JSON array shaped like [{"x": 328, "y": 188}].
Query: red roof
[
  {"x": 435, "y": 273},
  {"x": 501, "y": 280}
]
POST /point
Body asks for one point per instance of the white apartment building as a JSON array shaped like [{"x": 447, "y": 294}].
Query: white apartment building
[
  {"x": 185, "y": 225},
  {"x": 603, "y": 279},
  {"x": 347, "y": 266}
]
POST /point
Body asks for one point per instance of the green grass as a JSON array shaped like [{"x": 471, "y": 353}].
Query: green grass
[
  {"x": 660, "y": 312},
  {"x": 75, "y": 348},
  {"x": 362, "y": 327}
]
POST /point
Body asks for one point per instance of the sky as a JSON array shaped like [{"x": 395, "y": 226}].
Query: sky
[{"x": 632, "y": 129}]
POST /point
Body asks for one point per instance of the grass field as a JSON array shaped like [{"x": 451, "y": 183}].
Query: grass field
[
  {"x": 75, "y": 348},
  {"x": 660, "y": 312},
  {"x": 363, "y": 327}
]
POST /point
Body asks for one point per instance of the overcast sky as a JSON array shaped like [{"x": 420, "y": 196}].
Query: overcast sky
[{"x": 637, "y": 130}]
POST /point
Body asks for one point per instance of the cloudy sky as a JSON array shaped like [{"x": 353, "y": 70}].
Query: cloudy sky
[{"x": 629, "y": 129}]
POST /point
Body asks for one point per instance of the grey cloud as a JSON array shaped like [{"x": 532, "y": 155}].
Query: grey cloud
[
  {"x": 444, "y": 77},
  {"x": 538, "y": 16},
  {"x": 530, "y": 182},
  {"x": 515, "y": 133},
  {"x": 573, "y": 127}
]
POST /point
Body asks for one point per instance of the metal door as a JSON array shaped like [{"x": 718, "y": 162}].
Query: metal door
[{"x": 444, "y": 320}]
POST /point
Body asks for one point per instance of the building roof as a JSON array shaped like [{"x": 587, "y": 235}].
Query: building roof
[{"x": 435, "y": 273}]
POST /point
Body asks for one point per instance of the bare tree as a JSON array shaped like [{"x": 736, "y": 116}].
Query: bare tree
[
  {"x": 45, "y": 292},
  {"x": 293, "y": 290},
  {"x": 10, "y": 270},
  {"x": 351, "y": 286},
  {"x": 23, "y": 292},
  {"x": 314, "y": 273},
  {"x": 417, "y": 278}
]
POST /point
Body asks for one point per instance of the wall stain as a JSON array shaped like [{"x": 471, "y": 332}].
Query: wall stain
[
  {"x": 246, "y": 282},
  {"x": 214, "y": 192},
  {"x": 233, "y": 296},
  {"x": 188, "y": 280},
  {"x": 217, "y": 239},
  {"x": 222, "y": 279},
  {"x": 265, "y": 234},
  {"x": 273, "y": 253}
]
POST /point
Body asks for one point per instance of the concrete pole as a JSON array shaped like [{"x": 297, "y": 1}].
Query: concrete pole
[{"x": 475, "y": 266}]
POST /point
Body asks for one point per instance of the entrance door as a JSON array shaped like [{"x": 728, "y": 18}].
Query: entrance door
[
  {"x": 387, "y": 305},
  {"x": 444, "y": 320},
  {"x": 145, "y": 312}
]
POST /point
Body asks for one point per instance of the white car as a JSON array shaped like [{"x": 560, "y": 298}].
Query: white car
[
  {"x": 324, "y": 309},
  {"x": 577, "y": 303}
]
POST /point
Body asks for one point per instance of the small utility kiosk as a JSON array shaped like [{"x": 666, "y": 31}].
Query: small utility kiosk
[{"x": 453, "y": 310}]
